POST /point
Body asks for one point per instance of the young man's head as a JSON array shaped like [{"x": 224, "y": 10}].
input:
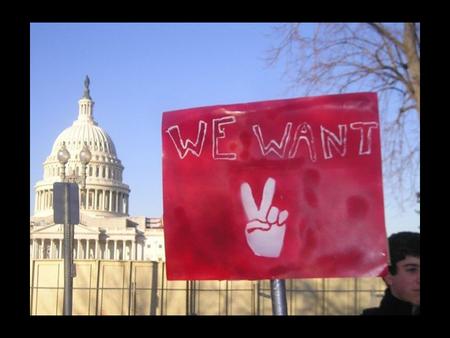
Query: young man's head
[{"x": 403, "y": 277}]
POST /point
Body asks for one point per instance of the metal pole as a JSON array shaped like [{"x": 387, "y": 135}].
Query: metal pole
[
  {"x": 67, "y": 256},
  {"x": 278, "y": 294},
  {"x": 83, "y": 186}
]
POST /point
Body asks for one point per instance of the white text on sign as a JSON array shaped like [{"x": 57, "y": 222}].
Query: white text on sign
[{"x": 287, "y": 145}]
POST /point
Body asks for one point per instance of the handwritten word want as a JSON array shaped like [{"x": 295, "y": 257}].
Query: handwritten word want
[{"x": 332, "y": 142}]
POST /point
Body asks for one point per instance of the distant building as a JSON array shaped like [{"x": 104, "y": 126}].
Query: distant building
[{"x": 106, "y": 231}]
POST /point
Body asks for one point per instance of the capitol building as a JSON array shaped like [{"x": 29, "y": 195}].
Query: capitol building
[{"x": 106, "y": 230}]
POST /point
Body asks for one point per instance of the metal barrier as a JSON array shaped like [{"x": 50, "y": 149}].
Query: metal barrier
[{"x": 105, "y": 287}]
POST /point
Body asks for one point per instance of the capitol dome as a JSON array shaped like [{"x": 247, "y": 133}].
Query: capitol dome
[
  {"x": 96, "y": 138},
  {"x": 106, "y": 195}
]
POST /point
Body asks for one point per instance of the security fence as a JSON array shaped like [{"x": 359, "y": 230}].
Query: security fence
[{"x": 104, "y": 287}]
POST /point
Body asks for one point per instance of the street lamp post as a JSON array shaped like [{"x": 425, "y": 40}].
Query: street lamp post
[
  {"x": 63, "y": 157},
  {"x": 85, "y": 158}
]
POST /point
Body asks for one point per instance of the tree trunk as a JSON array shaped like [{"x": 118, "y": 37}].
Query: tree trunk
[{"x": 413, "y": 60}]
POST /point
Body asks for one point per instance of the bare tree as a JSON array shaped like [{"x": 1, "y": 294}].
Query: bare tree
[{"x": 343, "y": 57}]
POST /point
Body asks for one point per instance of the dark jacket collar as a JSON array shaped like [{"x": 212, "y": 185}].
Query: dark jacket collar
[{"x": 392, "y": 305}]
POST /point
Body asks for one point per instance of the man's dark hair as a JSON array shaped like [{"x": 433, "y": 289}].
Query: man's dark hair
[{"x": 403, "y": 244}]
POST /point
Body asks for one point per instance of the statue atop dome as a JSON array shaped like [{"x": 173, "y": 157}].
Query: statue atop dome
[{"x": 86, "y": 93}]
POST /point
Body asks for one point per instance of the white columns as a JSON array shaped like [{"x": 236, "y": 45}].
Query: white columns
[
  {"x": 100, "y": 199},
  {"x": 60, "y": 248},
  {"x": 78, "y": 248},
  {"x": 115, "y": 250},
  {"x": 106, "y": 251},
  {"x": 117, "y": 202},
  {"x": 110, "y": 201},
  {"x": 90, "y": 200},
  {"x": 41, "y": 249},
  {"x": 121, "y": 203},
  {"x": 88, "y": 256},
  {"x": 133, "y": 248},
  {"x": 106, "y": 200}
]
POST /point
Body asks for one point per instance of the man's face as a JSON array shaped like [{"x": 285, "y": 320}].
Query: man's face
[{"x": 405, "y": 284}]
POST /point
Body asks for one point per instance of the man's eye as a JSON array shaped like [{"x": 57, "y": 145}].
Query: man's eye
[{"x": 411, "y": 270}]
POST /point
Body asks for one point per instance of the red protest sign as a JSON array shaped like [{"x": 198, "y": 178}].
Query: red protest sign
[{"x": 275, "y": 189}]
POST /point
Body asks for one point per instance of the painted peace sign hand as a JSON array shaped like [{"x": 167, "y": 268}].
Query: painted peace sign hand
[{"x": 265, "y": 225}]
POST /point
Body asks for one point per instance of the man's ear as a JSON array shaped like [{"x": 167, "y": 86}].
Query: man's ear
[{"x": 388, "y": 279}]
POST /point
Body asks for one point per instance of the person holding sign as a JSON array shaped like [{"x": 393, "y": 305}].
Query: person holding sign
[{"x": 402, "y": 296}]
